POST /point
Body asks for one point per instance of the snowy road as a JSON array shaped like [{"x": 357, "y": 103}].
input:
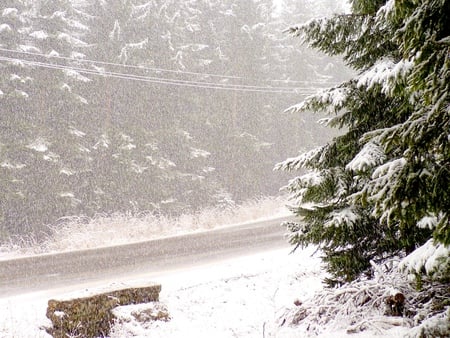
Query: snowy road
[{"x": 46, "y": 272}]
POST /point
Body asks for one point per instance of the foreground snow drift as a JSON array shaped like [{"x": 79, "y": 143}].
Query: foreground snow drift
[
  {"x": 247, "y": 297},
  {"x": 237, "y": 298}
]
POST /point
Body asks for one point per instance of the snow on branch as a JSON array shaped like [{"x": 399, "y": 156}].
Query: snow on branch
[
  {"x": 330, "y": 100},
  {"x": 345, "y": 217},
  {"x": 430, "y": 257},
  {"x": 354, "y": 307},
  {"x": 71, "y": 40},
  {"x": 381, "y": 185},
  {"x": 370, "y": 156},
  {"x": 39, "y": 35},
  {"x": 299, "y": 185},
  {"x": 5, "y": 28},
  {"x": 301, "y": 161},
  {"x": 141, "y": 11},
  {"x": 386, "y": 9},
  {"x": 76, "y": 75},
  {"x": 299, "y": 29},
  {"x": 323, "y": 26},
  {"x": 433, "y": 326},
  {"x": 132, "y": 47},
  {"x": 11, "y": 12},
  {"x": 29, "y": 49},
  {"x": 381, "y": 136},
  {"x": 429, "y": 222},
  {"x": 385, "y": 73},
  {"x": 384, "y": 173},
  {"x": 333, "y": 37}
]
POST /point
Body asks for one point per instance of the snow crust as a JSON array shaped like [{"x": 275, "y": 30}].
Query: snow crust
[{"x": 239, "y": 297}]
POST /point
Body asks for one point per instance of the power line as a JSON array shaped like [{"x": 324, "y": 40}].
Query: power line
[
  {"x": 156, "y": 80},
  {"x": 144, "y": 78},
  {"x": 120, "y": 65},
  {"x": 163, "y": 79},
  {"x": 177, "y": 72}
]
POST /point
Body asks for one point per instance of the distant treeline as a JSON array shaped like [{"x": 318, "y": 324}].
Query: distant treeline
[{"x": 147, "y": 106}]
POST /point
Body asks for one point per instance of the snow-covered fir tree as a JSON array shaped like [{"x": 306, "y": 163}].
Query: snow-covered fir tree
[{"x": 381, "y": 188}]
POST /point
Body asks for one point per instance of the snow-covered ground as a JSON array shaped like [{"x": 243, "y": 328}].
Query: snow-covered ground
[
  {"x": 251, "y": 296},
  {"x": 237, "y": 298},
  {"x": 244, "y": 297}
]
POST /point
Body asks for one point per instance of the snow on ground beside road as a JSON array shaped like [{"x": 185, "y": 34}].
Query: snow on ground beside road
[
  {"x": 24, "y": 316},
  {"x": 236, "y": 298},
  {"x": 244, "y": 297}
]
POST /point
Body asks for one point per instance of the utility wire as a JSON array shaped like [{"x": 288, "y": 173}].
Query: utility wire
[
  {"x": 178, "y": 72},
  {"x": 126, "y": 76},
  {"x": 160, "y": 78},
  {"x": 144, "y": 78},
  {"x": 120, "y": 64}
]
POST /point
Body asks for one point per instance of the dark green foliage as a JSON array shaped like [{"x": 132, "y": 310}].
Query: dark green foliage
[{"x": 372, "y": 186}]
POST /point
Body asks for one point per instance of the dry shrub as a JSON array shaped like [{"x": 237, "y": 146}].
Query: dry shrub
[{"x": 92, "y": 316}]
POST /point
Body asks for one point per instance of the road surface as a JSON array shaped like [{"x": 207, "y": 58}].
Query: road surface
[{"x": 45, "y": 272}]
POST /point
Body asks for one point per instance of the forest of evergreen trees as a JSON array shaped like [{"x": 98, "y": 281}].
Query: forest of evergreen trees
[{"x": 148, "y": 105}]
